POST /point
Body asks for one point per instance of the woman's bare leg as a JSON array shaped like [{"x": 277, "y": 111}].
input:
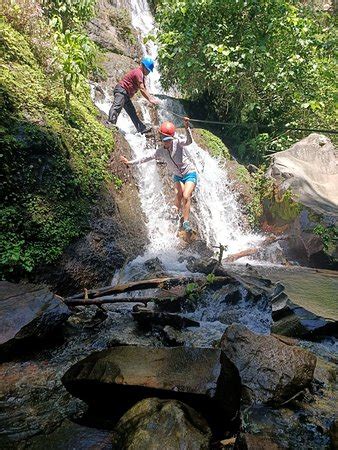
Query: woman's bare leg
[
  {"x": 178, "y": 194},
  {"x": 187, "y": 191}
]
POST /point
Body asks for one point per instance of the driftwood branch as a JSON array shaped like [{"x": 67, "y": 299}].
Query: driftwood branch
[
  {"x": 132, "y": 286},
  {"x": 106, "y": 300},
  {"x": 252, "y": 251}
]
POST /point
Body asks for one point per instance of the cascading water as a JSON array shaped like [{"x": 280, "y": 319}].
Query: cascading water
[{"x": 215, "y": 207}]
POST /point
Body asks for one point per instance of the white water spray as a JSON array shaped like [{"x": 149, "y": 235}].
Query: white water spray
[{"x": 216, "y": 209}]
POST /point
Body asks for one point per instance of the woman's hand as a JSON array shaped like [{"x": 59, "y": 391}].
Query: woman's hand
[
  {"x": 186, "y": 122},
  {"x": 124, "y": 160}
]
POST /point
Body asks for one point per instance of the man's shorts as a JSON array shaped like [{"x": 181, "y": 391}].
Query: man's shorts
[{"x": 192, "y": 176}]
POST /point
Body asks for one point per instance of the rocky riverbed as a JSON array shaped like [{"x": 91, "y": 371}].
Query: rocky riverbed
[{"x": 98, "y": 376}]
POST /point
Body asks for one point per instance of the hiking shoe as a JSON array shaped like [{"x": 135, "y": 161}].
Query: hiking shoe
[
  {"x": 146, "y": 129},
  {"x": 186, "y": 226}
]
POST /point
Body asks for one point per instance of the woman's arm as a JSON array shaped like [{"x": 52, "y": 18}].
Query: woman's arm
[
  {"x": 189, "y": 138},
  {"x": 137, "y": 161}
]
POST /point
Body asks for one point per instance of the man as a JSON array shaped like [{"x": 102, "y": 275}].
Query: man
[
  {"x": 127, "y": 88},
  {"x": 175, "y": 155}
]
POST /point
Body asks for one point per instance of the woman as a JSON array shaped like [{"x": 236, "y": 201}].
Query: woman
[{"x": 174, "y": 154}]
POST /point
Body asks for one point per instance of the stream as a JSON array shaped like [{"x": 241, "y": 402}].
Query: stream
[{"x": 37, "y": 408}]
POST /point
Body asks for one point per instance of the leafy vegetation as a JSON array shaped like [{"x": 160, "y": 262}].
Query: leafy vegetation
[
  {"x": 329, "y": 236},
  {"x": 54, "y": 163},
  {"x": 259, "y": 64}
]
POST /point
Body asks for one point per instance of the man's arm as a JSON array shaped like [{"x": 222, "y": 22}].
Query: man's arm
[{"x": 145, "y": 93}]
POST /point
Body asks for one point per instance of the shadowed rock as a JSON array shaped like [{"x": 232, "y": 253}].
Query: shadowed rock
[
  {"x": 200, "y": 377},
  {"x": 28, "y": 311},
  {"x": 153, "y": 423}
]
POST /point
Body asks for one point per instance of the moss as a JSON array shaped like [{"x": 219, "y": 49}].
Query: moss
[
  {"x": 54, "y": 163},
  {"x": 214, "y": 144}
]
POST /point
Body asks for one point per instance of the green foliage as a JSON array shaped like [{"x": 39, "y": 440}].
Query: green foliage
[
  {"x": 261, "y": 187},
  {"x": 71, "y": 14},
  {"x": 260, "y": 64},
  {"x": 210, "y": 278},
  {"x": 121, "y": 19},
  {"x": 192, "y": 290},
  {"x": 54, "y": 165},
  {"x": 75, "y": 53},
  {"x": 329, "y": 236},
  {"x": 118, "y": 183},
  {"x": 214, "y": 144}
]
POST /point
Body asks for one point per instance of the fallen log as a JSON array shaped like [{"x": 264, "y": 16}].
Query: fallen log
[
  {"x": 161, "y": 295},
  {"x": 133, "y": 286},
  {"x": 252, "y": 251}
]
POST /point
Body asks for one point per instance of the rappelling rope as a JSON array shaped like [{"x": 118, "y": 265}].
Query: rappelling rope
[{"x": 213, "y": 122}]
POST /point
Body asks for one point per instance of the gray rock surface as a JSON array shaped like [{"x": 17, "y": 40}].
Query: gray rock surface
[
  {"x": 197, "y": 376},
  {"x": 28, "y": 311},
  {"x": 154, "y": 424},
  {"x": 271, "y": 371},
  {"x": 310, "y": 169}
]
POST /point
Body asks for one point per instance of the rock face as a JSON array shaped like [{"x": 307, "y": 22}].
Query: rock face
[
  {"x": 28, "y": 311},
  {"x": 154, "y": 423},
  {"x": 200, "y": 377},
  {"x": 271, "y": 371},
  {"x": 293, "y": 320},
  {"x": 117, "y": 233},
  {"x": 309, "y": 170}
]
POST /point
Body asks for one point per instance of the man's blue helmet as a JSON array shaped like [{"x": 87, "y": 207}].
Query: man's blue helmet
[{"x": 148, "y": 63}]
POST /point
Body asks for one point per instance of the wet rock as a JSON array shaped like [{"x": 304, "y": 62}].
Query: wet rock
[
  {"x": 169, "y": 424},
  {"x": 305, "y": 425},
  {"x": 247, "y": 441},
  {"x": 28, "y": 311},
  {"x": 275, "y": 373},
  {"x": 71, "y": 436},
  {"x": 148, "y": 319},
  {"x": 155, "y": 267},
  {"x": 206, "y": 265},
  {"x": 201, "y": 377},
  {"x": 293, "y": 320}
]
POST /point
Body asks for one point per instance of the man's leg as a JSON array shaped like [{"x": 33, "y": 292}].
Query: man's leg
[
  {"x": 131, "y": 111},
  {"x": 118, "y": 104},
  {"x": 188, "y": 190}
]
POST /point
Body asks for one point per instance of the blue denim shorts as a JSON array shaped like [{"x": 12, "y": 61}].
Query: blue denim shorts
[{"x": 192, "y": 176}]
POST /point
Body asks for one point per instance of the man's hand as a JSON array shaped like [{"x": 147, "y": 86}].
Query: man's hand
[
  {"x": 186, "y": 122},
  {"x": 154, "y": 101},
  {"x": 124, "y": 160}
]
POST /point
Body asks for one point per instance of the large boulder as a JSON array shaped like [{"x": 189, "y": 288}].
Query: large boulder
[
  {"x": 309, "y": 171},
  {"x": 201, "y": 377},
  {"x": 28, "y": 311},
  {"x": 271, "y": 370},
  {"x": 309, "y": 168},
  {"x": 153, "y": 423}
]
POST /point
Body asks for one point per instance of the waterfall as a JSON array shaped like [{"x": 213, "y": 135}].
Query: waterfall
[{"x": 215, "y": 207}]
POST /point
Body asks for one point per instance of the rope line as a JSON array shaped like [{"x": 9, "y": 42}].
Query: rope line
[{"x": 213, "y": 122}]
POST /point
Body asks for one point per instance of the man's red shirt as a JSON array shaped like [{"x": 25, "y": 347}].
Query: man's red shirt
[{"x": 132, "y": 80}]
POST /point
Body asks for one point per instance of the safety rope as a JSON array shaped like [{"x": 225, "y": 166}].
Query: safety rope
[{"x": 213, "y": 122}]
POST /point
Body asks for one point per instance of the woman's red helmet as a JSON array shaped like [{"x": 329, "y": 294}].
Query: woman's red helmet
[{"x": 167, "y": 129}]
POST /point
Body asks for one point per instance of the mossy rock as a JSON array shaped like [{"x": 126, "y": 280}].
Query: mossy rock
[
  {"x": 210, "y": 142},
  {"x": 54, "y": 161}
]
